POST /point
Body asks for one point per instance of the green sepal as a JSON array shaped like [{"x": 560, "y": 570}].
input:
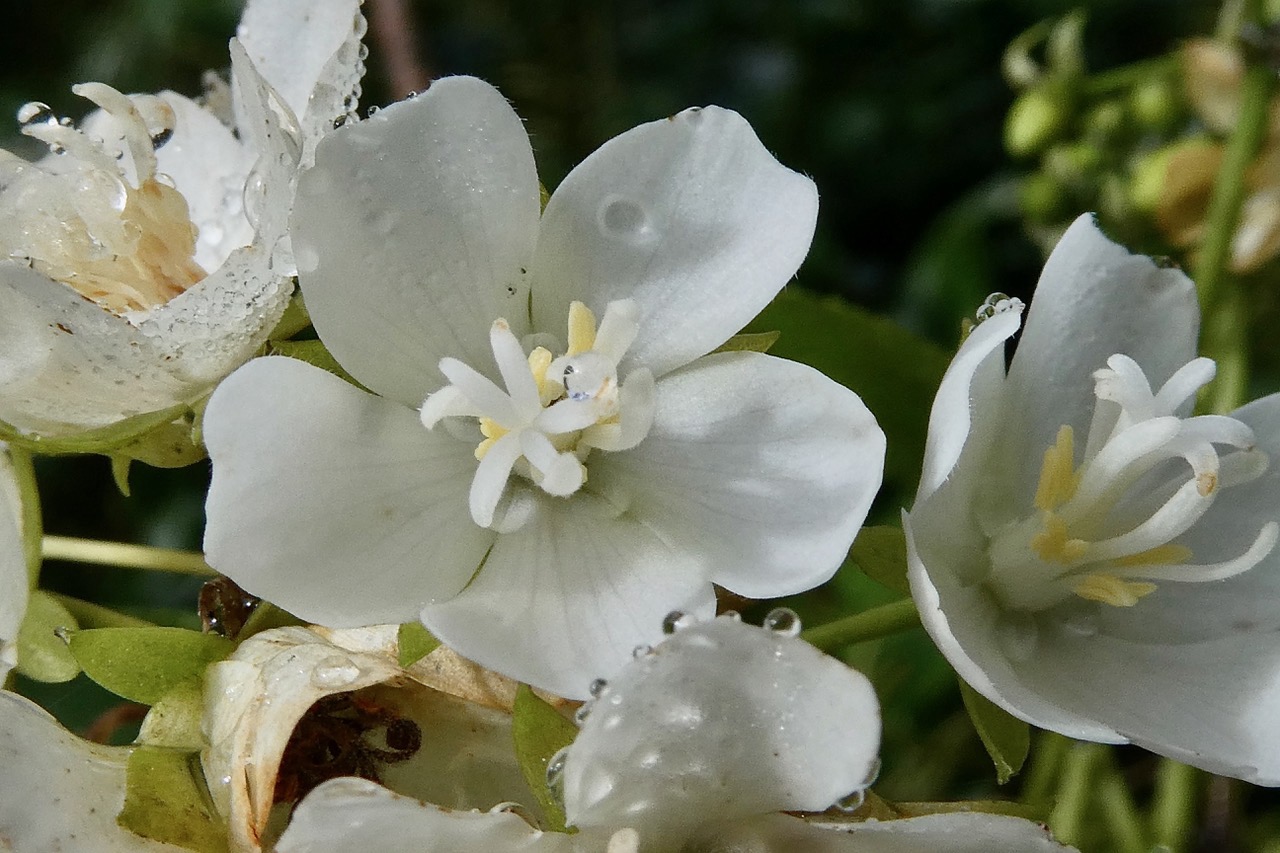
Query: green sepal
[
  {"x": 120, "y": 473},
  {"x": 1006, "y": 738},
  {"x": 100, "y": 440},
  {"x": 413, "y": 643},
  {"x": 166, "y": 799},
  {"x": 174, "y": 720},
  {"x": 294, "y": 319},
  {"x": 169, "y": 445},
  {"x": 316, "y": 354},
  {"x": 880, "y": 553},
  {"x": 540, "y": 732},
  {"x": 750, "y": 342},
  {"x": 265, "y": 617},
  {"x": 43, "y": 654},
  {"x": 875, "y": 807},
  {"x": 143, "y": 664}
]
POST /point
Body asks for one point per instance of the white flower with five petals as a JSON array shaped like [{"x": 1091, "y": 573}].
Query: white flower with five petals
[
  {"x": 137, "y": 268},
  {"x": 555, "y": 461},
  {"x": 1084, "y": 552},
  {"x": 697, "y": 746}
]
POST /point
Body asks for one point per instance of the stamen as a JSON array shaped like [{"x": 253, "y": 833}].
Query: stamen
[
  {"x": 582, "y": 329},
  {"x": 1118, "y": 465},
  {"x": 1262, "y": 546},
  {"x": 491, "y": 478},
  {"x": 522, "y": 388},
  {"x": 618, "y": 329},
  {"x": 1184, "y": 383},
  {"x": 1109, "y": 589},
  {"x": 1172, "y": 519},
  {"x": 136, "y": 135},
  {"x": 485, "y": 396},
  {"x": 1058, "y": 479}
]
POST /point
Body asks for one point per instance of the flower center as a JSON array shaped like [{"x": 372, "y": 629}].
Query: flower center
[
  {"x": 80, "y": 221},
  {"x": 554, "y": 410},
  {"x": 1106, "y": 530}
]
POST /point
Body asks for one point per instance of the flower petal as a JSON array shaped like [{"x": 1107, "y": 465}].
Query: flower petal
[
  {"x": 68, "y": 364},
  {"x": 960, "y": 832},
  {"x": 761, "y": 469},
  {"x": 332, "y": 503},
  {"x": 690, "y": 217},
  {"x": 722, "y": 721},
  {"x": 355, "y": 814},
  {"x": 411, "y": 234},
  {"x": 60, "y": 792},
  {"x": 1094, "y": 299},
  {"x": 15, "y": 585},
  {"x": 309, "y": 53},
  {"x": 566, "y": 598}
]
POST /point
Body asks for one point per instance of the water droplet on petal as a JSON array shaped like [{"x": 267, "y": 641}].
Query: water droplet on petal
[
  {"x": 1082, "y": 621},
  {"x": 624, "y": 219},
  {"x": 851, "y": 802},
  {"x": 996, "y": 303},
  {"x": 555, "y": 772},
  {"x": 581, "y": 714},
  {"x": 339, "y": 121},
  {"x": 731, "y": 615},
  {"x": 1018, "y": 636},
  {"x": 597, "y": 687},
  {"x": 335, "y": 671},
  {"x": 783, "y": 621},
  {"x": 676, "y": 620},
  {"x": 372, "y": 111},
  {"x": 641, "y": 651},
  {"x": 35, "y": 112}
]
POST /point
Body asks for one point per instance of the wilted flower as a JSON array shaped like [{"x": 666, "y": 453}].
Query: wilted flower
[
  {"x": 139, "y": 269},
  {"x": 1085, "y": 553},
  {"x": 696, "y": 746},
  {"x": 581, "y": 465}
]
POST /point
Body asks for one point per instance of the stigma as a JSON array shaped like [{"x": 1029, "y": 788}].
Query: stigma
[
  {"x": 1108, "y": 529},
  {"x": 552, "y": 411},
  {"x": 125, "y": 242}
]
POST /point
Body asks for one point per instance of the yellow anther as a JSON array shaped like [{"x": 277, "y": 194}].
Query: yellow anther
[
  {"x": 539, "y": 360},
  {"x": 1052, "y": 544},
  {"x": 491, "y": 431},
  {"x": 582, "y": 329},
  {"x": 1206, "y": 483},
  {"x": 1110, "y": 589},
  {"x": 1168, "y": 554},
  {"x": 1058, "y": 478}
]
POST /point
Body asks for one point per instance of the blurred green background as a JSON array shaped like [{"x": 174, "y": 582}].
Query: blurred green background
[{"x": 894, "y": 108}]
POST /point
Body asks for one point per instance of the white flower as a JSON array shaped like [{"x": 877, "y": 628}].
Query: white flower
[
  {"x": 60, "y": 792},
  {"x": 580, "y": 466},
  {"x": 137, "y": 268},
  {"x": 293, "y": 707},
  {"x": 15, "y": 584},
  {"x": 1085, "y": 553},
  {"x": 694, "y": 747}
]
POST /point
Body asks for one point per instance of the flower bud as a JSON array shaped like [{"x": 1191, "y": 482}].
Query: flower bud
[{"x": 1037, "y": 117}]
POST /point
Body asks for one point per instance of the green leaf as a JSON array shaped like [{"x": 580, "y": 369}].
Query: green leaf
[
  {"x": 750, "y": 342},
  {"x": 100, "y": 440},
  {"x": 166, "y": 799},
  {"x": 294, "y": 320},
  {"x": 315, "y": 353},
  {"x": 895, "y": 372},
  {"x": 540, "y": 732},
  {"x": 415, "y": 643},
  {"x": 1006, "y": 738},
  {"x": 143, "y": 664},
  {"x": 880, "y": 552},
  {"x": 174, "y": 720},
  {"x": 42, "y": 654}
]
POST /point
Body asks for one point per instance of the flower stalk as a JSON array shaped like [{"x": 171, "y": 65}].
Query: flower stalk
[
  {"x": 126, "y": 556},
  {"x": 1173, "y": 809},
  {"x": 870, "y": 624}
]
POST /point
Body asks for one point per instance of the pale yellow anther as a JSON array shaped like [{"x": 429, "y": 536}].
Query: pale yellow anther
[
  {"x": 1110, "y": 589},
  {"x": 491, "y": 431},
  {"x": 1206, "y": 483},
  {"x": 1058, "y": 477},
  {"x": 1168, "y": 554},
  {"x": 539, "y": 360},
  {"x": 1053, "y": 545},
  {"x": 582, "y": 329}
]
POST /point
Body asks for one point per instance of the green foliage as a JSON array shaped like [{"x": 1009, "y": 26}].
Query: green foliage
[
  {"x": 166, "y": 800},
  {"x": 750, "y": 342},
  {"x": 143, "y": 664},
  {"x": 1006, "y": 738},
  {"x": 315, "y": 353},
  {"x": 540, "y": 732},
  {"x": 881, "y": 554},
  {"x": 174, "y": 720},
  {"x": 414, "y": 642},
  {"x": 42, "y": 654},
  {"x": 895, "y": 372}
]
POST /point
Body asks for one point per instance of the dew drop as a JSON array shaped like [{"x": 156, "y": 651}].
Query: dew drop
[
  {"x": 555, "y": 772},
  {"x": 782, "y": 621},
  {"x": 676, "y": 620},
  {"x": 996, "y": 303},
  {"x": 335, "y": 671},
  {"x": 339, "y": 121},
  {"x": 581, "y": 714},
  {"x": 1082, "y": 621},
  {"x": 731, "y": 615},
  {"x": 160, "y": 137},
  {"x": 850, "y": 803},
  {"x": 625, "y": 219},
  {"x": 371, "y": 112},
  {"x": 35, "y": 112},
  {"x": 597, "y": 687},
  {"x": 1018, "y": 636},
  {"x": 641, "y": 651}
]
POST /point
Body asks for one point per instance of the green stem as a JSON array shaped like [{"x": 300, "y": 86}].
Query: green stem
[
  {"x": 29, "y": 499},
  {"x": 1106, "y": 82},
  {"x": 1124, "y": 823},
  {"x": 91, "y": 615},
  {"x": 1174, "y": 804},
  {"x": 868, "y": 625},
  {"x": 124, "y": 555},
  {"x": 1226, "y": 342},
  {"x": 1078, "y": 772},
  {"x": 1046, "y": 758}
]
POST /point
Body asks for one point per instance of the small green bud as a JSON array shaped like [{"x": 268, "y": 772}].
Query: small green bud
[
  {"x": 1155, "y": 104},
  {"x": 1037, "y": 118}
]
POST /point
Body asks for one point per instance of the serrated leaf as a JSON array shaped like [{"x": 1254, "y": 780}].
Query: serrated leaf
[
  {"x": 750, "y": 342},
  {"x": 42, "y": 654},
  {"x": 540, "y": 732},
  {"x": 166, "y": 799},
  {"x": 143, "y": 664},
  {"x": 1006, "y": 738},
  {"x": 880, "y": 553},
  {"x": 315, "y": 353},
  {"x": 895, "y": 372},
  {"x": 414, "y": 642}
]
